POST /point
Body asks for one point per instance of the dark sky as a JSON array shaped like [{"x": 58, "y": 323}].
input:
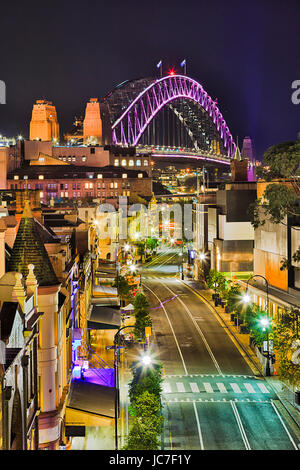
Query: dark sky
[{"x": 245, "y": 53}]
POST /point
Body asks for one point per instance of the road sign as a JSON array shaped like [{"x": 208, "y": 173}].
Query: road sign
[{"x": 148, "y": 331}]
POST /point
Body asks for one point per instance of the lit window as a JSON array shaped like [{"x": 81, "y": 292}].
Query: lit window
[
  {"x": 138, "y": 162},
  {"x": 145, "y": 162},
  {"x": 41, "y": 194},
  {"x": 25, "y": 177},
  {"x": 41, "y": 159},
  {"x": 140, "y": 175},
  {"x": 124, "y": 175},
  {"x": 131, "y": 163},
  {"x": 83, "y": 159},
  {"x": 86, "y": 185},
  {"x": 91, "y": 185},
  {"x": 16, "y": 177},
  {"x": 99, "y": 176},
  {"x": 111, "y": 185},
  {"x": 123, "y": 163},
  {"x": 74, "y": 159},
  {"x": 116, "y": 163},
  {"x": 116, "y": 185},
  {"x": 41, "y": 177}
]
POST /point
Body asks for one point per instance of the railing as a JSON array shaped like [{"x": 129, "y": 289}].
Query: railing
[{"x": 94, "y": 360}]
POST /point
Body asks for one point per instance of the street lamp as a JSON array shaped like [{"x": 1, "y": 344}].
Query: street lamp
[
  {"x": 146, "y": 360},
  {"x": 265, "y": 322}
]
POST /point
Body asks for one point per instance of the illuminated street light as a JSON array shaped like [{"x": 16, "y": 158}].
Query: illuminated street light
[
  {"x": 126, "y": 247},
  {"x": 132, "y": 268},
  {"x": 146, "y": 360},
  {"x": 202, "y": 256},
  {"x": 246, "y": 298}
]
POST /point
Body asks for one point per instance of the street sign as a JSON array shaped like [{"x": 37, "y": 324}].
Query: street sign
[
  {"x": 266, "y": 346},
  {"x": 148, "y": 331}
]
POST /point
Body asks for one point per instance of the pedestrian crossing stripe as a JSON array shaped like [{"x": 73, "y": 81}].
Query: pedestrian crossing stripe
[
  {"x": 212, "y": 400},
  {"x": 193, "y": 387},
  {"x": 210, "y": 375}
]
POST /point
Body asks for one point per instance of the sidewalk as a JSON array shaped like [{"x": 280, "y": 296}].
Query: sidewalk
[{"x": 285, "y": 395}]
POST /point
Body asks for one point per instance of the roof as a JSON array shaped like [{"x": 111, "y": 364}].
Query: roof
[
  {"x": 29, "y": 249},
  {"x": 73, "y": 171},
  {"x": 7, "y": 317}
]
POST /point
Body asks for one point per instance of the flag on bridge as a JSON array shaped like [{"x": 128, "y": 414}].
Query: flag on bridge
[
  {"x": 183, "y": 64},
  {"x": 159, "y": 66}
]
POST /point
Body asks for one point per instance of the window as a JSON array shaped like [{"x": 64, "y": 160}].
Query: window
[
  {"x": 92, "y": 149},
  {"x": 74, "y": 159},
  {"x": 138, "y": 162},
  {"x": 16, "y": 177},
  {"x": 116, "y": 185},
  {"x": 145, "y": 162},
  {"x": 124, "y": 175},
  {"x": 66, "y": 185},
  {"x": 140, "y": 175},
  {"x": 61, "y": 186},
  {"x": 131, "y": 162},
  {"x": 83, "y": 159},
  {"x": 78, "y": 185},
  {"x": 41, "y": 177},
  {"x": 41, "y": 194},
  {"x": 111, "y": 185},
  {"x": 123, "y": 163},
  {"x": 99, "y": 176},
  {"x": 86, "y": 185},
  {"x": 116, "y": 162},
  {"x": 91, "y": 185},
  {"x": 25, "y": 177}
]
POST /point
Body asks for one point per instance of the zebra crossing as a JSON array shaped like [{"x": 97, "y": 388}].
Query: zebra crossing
[{"x": 236, "y": 385}]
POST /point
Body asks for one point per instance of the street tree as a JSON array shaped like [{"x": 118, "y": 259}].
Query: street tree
[
  {"x": 287, "y": 346},
  {"x": 147, "y": 423}
]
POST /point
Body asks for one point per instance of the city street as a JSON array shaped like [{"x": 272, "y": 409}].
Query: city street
[{"x": 213, "y": 399}]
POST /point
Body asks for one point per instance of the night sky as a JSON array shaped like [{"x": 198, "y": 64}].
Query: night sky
[{"x": 245, "y": 53}]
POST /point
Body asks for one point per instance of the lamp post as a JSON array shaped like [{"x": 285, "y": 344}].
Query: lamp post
[
  {"x": 116, "y": 378},
  {"x": 264, "y": 322}
]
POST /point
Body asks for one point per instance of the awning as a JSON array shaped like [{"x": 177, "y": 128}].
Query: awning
[
  {"x": 104, "y": 318},
  {"x": 92, "y": 398}
]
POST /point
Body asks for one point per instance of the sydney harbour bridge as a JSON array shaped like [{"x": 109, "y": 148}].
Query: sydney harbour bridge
[{"x": 170, "y": 116}]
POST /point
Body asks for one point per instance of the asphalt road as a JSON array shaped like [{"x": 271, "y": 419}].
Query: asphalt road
[{"x": 212, "y": 398}]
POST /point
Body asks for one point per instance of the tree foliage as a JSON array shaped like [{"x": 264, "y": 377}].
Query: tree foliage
[
  {"x": 286, "y": 342},
  {"x": 146, "y": 424}
]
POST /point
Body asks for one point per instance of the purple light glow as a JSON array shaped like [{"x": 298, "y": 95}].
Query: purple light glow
[{"x": 157, "y": 96}]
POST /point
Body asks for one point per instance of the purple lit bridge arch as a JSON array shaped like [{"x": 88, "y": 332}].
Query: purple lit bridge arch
[{"x": 137, "y": 115}]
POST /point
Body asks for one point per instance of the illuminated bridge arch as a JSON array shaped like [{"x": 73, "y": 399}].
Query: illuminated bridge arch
[{"x": 137, "y": 112}]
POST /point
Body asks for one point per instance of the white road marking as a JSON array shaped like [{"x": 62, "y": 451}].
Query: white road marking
[
  {"x": 240, "y": 425},
  {"x": 285, "y": 428},
  {"x": 208, "y": 387},
  {"x": 199, "y": 427},
  {"x": 180, "y": 387},
  {"x": 194, "y": 387},
  {"x": 263, "y": 388},
  {"x": 167, "y": 387},
  {"x": 236, "y": 388},
  {"x": 172, "y": 329},
  {"x": 198, "y": 329},
  {"x": 249, "y": 388},
  {"x": 222, "y": 388}
]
